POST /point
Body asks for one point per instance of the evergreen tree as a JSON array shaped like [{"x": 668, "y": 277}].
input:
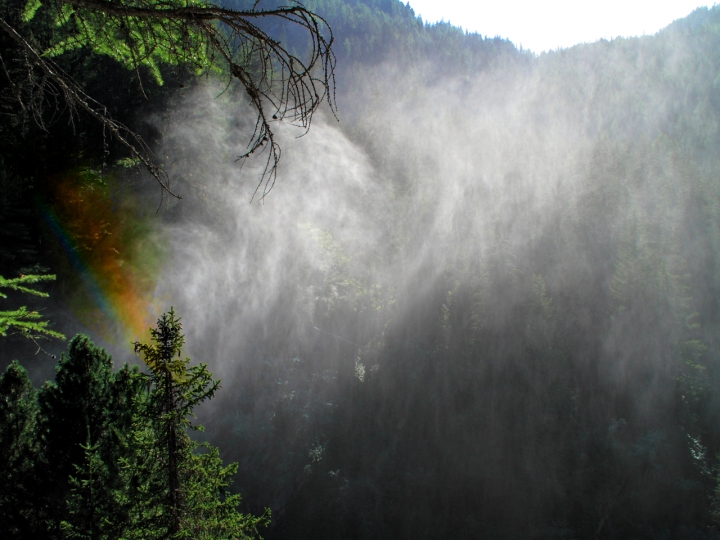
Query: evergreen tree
[
  {"x": 99, "y": 455},
  {"x": 101, "y": 495},
  {"x": 18, "y": 412},
  {"x": 73, "y": 419},
  {"x": 91, "y": 506},
  {"x": 191, "y": 496}
]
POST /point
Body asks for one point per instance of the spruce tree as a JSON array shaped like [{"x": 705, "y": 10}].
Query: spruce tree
[
  {"x": 73, "y": 417},
  {"x": 193, "y": 495},
  {"x": 101, "y": 493},
  {"x": 18, "y": 412}
]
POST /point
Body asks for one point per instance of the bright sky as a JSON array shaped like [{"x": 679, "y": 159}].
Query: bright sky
[{"x": 549, "y": 24}]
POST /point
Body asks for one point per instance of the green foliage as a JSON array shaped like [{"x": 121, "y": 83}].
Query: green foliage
[
  {"x": 20, "y": 284},
  {"x": 554, "y": 377},
  {"x": 191, "y": 500},
  {"x": 196, "y": 35},
  {"x": 18, "y": 449},
  {"x": 73, "y": 413},
  {"x": 213, "y": 510},
  {"x": 98, "y": 454},
  {"x": 28, "y": 323},
  {"x": 133, "y": 41},
  {"x": 92, "y": 510}
]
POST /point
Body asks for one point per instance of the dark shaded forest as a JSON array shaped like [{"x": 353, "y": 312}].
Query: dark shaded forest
[{"x": 482, "y": 302}]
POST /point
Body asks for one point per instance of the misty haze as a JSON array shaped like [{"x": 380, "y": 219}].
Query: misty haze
[{"x": 482, "y": 300}]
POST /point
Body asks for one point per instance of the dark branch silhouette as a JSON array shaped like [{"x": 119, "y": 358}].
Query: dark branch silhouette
[{"x": 279, "y": 84}]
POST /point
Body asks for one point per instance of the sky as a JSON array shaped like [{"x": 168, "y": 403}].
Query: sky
[{"x": 551, "y": 24}]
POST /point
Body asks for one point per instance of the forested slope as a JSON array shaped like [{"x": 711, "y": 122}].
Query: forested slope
[{"x": 484, "y": 304}]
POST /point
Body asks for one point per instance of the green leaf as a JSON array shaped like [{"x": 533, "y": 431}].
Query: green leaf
[{"x": 30, "y": 9}]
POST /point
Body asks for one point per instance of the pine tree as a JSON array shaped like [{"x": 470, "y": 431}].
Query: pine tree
[
  {"x": 91, "y": 502},
  {"x": 101, "y": 494},
  {"x": 18, "y": 412},
  {"x": 73, "y": 417},
  {"x": 193, "y": 496}
]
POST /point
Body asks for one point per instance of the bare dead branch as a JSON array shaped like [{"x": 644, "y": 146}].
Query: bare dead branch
[
  {"x": 280, "y": 85},
  {"x": 75, "y": 97}
]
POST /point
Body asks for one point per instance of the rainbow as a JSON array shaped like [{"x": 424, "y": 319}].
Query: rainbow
[{"x": 101, "y": 243}]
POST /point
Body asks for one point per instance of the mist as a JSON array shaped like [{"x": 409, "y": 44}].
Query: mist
[
  {"x": 480, "y": 301},
  {"x": 469, "y": 309}
]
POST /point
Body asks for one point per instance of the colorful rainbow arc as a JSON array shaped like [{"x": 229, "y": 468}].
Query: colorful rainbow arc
[{"x": 112, "y": 289}]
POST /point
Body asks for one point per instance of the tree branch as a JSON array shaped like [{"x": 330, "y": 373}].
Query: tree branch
[
  {"x": 148, "y": 33},
  {"x": 75, "y": 96}
]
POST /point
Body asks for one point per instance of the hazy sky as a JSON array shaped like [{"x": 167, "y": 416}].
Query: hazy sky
[{"x": 549, "y": 24}]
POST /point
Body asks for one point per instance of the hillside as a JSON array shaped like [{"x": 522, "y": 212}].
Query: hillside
[{"x": 481, "y": 302}]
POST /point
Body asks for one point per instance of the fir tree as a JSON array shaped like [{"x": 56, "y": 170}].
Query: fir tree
[
  {"x": 73, "y": 413},
  {"x": 101, "y": 493},
  {"x": 18, "y": 412},
  {"x": 91, "y": 506},
  {"x": 193, "y": 495}
]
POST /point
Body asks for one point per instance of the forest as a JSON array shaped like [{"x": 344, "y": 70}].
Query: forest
[{"x": 477, "y": 296}]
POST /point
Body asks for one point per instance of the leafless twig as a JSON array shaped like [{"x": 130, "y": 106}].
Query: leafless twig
[
  {"x": 280, "y": 85},
  {"x": 75, "y": 97}
]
